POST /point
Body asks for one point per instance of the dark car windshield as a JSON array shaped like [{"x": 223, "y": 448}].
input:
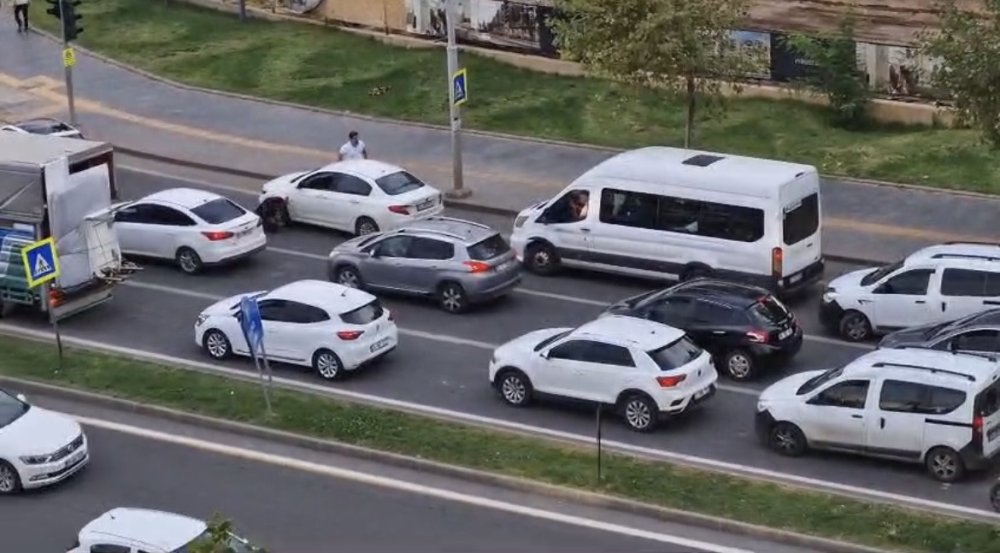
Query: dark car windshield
[
  {"x": 218, "y": 211},
  {"x": 364, "y": 314},
  {"x": 880, "y": 273},
  {"x": 770, "y": 310},
  {"x": 394, "y": 184},
  {"x": 494, "y": 246},
  {"x": 550, "y": 339},
  {"x": 819, "y": 380},
  {"x": 676, "y": 354},
  {"x": 11, "y": 408}
]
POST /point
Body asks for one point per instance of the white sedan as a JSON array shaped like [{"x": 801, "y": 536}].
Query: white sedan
[
  {"x": 193, "y": 227},
  {"x": 358, "y": 196},
  {"x": 646, "y": 370},
  {"x": 126, "y": 529},
  {"x": 38, "y": 447},
  {"x": 312, "y": 323}
]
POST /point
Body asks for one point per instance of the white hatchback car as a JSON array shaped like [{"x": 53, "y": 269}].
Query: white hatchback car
[
  {"x": 358, "y": 196},
  {"x": 323, "y": 325},
  {"x": 194, "y": 227},
  {"x": 645, "y": 369},
  {"x": 130, "y": 530},
  {"x": 38, "y": 447},
  {"x": 44, "y": 125}
]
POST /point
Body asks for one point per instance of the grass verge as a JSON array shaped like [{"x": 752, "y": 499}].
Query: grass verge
[
  {"x": 333, "y": 69},
  {"x": 651, "y": 482}
]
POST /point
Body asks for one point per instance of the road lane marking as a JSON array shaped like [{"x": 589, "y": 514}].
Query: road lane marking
[
  {"x": 296, "y": 253},
  {"x": 479, "y": 420},
  {"x": 396, "y": 484}
]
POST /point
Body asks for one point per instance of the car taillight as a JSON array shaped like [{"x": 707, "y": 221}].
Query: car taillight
[
  {"x": 777, "y": 262},
  {"x": 350, "y": 334},
  {"x": 56, "y": 297},
  {"x": 977, "y": 429},
  {"x": 477, "y": 266},
  {"x": 670, "y": 381},
  {"x": 401, "y": 209},
  {"x": 215, "y": 236},
  {"x": 757, "y": 336}
]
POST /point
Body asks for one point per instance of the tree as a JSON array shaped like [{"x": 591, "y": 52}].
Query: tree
[
  {"x": 683, "y": 46},
  {"x": 967, "y": 45},
  {"x": 836, "y": 73},
  {"x": 219, "y": 538}
]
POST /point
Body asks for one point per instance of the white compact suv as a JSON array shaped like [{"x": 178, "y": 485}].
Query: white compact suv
[
  {"x": 643, "y": 368},
  {"x": 938, "y": 408},
  {"x": 933, "y": 285},
  {"x": 131, "y": 530}
]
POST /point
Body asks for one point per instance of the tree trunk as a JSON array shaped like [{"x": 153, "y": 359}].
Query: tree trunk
[{"x": 691, "y": 105}]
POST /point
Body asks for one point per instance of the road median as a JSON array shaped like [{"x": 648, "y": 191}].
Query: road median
[{"x": 657, "y": 485}]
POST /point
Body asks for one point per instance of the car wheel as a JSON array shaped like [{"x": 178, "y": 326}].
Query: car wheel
[
  {"x": 855, "y": 327},
  {"x": 451, "y": 298},
  {"x": 739, "y": 365},
  {"x": 514, "y": 387},
  {"x": 639, "y": 412},
  {"x": 995, "y": 497},
  {"x": 365, "y": 225},
  {"x": 10, "y": 480},
  {"x": 541, "y": 259},
  {"x": 348, "y": 276},
  {"x": 327, "y": 365},
  {"x": 787, "y": 439},
  {"x": 217, "y": 345},
  {"x": 945, "y": 464},
  {"x": 188, "y": 260}
]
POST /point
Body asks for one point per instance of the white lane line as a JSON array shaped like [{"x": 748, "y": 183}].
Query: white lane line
[
  {"x": 406, "y": 486},
  {"x": 297, "y": 253},
  {"x": 469, "y": 418}
]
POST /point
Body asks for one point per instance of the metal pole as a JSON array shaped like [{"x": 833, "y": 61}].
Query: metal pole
[
  {"x": 243, "y": 10},
  {"x": 263, "y": 387},
  {"x": 55, "y": 327},
  {"x": 455, "y": 112},
  {"x": 599, "y": 409},
  {"x": 68, "y": 69}
]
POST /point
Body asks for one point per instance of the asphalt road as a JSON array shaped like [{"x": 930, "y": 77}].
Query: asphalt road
[
  {"x": 282, "y": 497},
  {"x": 444, "y": 365}
]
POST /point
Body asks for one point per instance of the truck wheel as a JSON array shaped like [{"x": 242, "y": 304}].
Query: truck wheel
[{"x": 188, "y": 260}]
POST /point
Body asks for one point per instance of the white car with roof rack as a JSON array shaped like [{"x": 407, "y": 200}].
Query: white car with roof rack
[
  {"x": 195, "y": 228},
  {"x": 359, "y": 196},
  {"x": 331, "y": 328},
  {"x": 646, "y": 370},
  {"x": 935, "y": 284},
  {"x": 132, "y": 530},
  {"x": 937, "y": 408}
]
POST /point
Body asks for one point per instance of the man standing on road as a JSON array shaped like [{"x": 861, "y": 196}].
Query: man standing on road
[
  {"x": 354, "y": 148},
  {"x": 21, "y": 14}
]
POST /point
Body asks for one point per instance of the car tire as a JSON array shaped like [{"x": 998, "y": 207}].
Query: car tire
[
  {"x": 639, "y": 412},
  {"x": 944, "y": 464},
  {"x": 348, "y": 276},
  {"x": 514, "y": 387},
  {"x": 327, "y": 365},
  {"x": 188, "y": 260},
  {"x": 217, "y": 345},
  {"x": 541, "y": 258},
  {"x": 739, "y": 365},
  {"x": 995, "y": 497},
  {"x": 10, "y": 480},
  {"x": 787, "y": 439},
  {"x": 451, "y": 298},
  {"x": 855, "y": 327},
  {"x": 364, "y": 226}
]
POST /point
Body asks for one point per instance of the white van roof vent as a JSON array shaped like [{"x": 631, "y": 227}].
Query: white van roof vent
[{"x": 701, "y": 160}]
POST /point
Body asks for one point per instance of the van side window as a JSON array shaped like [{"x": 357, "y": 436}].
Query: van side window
[
  {"x": 963, "y": 282},
  {"x": 629, "y": 209},
  {"x": 681, "y": 215},
  {"x": 909, "y": 397},
  {"x": 849, "y": 393},
  {"x": 802, "y": 220}
]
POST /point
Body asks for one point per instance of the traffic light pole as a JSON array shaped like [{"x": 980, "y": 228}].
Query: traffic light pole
[{"x": 67, "y": 67}]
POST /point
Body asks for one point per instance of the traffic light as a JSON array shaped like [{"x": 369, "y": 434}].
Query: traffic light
[
  {"x": 54, "y": 9},
  {"x": 70, "y": 19}
]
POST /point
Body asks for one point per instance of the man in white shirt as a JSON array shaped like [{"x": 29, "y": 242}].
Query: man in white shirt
[
  {"x": 354, "y": 148},
  {"x": 21, "y": 14}
]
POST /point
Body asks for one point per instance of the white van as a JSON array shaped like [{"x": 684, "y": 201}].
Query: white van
[{"x": 668, "y": 213}]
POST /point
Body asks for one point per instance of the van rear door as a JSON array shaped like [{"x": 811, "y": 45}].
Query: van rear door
[
  {"x": 800, "y": 224},
  {"x": 987, "y": 421}
]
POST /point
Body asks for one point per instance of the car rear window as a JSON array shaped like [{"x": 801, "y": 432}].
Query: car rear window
[
  {"x": 494, "y": 246},
  {"x": 218, "y": 211},
  {"x": 770, "y": 310},
  {"x": 676, "y": 354},
  {"x": 394, "y": 184},
  {"x": 802, "y": 221},
  {"x": 364, "y": 314},
  {"x": 988, "y": 401}
]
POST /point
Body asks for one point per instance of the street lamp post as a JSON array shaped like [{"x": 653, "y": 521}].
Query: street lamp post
[{"x": 455, "y": 111}]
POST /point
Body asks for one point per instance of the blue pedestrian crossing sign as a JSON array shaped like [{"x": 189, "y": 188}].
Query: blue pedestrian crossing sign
[
  {"x": 459, "y": 87},
  {"x": 41, "y": 262},
  {"x": 252, "y": 325}
]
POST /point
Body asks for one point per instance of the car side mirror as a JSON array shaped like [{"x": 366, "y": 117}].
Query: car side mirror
[
  {"x": 22, "y": 398},
  {"x": 373, "y": 252},
  {"x": 544, "y": 354}
]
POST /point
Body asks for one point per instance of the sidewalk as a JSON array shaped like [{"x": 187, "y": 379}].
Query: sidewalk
[{"x": 135, "y": 112}]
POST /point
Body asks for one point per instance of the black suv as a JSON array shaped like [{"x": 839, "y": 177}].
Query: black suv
[
  {"x": 738, "y": 324},
  {"x": 978, "y": 333}
]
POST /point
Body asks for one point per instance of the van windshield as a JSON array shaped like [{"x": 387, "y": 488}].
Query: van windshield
[{"x": 802, "y": 220}]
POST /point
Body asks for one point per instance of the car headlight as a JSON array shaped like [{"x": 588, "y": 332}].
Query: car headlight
[
  {"x": 35, "y": 459},
  {"x": 829, "y": 294},
  {"x": 520, "y": 220},
  {"x": 200, "y": 320}
]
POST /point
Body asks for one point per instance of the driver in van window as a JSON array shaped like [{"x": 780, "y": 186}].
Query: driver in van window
[{"x": 578, "y": 202}]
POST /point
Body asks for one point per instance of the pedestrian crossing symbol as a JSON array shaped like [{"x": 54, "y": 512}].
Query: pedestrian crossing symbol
[
  {"x": 459, "y": 86},
  {"x": 41, "y": 262}
]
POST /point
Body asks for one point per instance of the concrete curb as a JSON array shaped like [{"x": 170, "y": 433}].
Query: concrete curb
[
  {"x": 441, "y": 469},
  {"x": 486, "y": 134}
]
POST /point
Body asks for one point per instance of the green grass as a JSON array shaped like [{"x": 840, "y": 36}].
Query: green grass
[
  {"x": 328, "y": 68},
  {"x": 655, "y": 483}
]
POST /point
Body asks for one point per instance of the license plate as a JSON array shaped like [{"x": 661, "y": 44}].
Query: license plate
[
  {"x": 702, "y": 393},
  {"x": 380, "y": 345},
  {"x": 785, "y": 333},
  {"x": 795, "y": 279},
  {"x": 425, "y": 205},
  {"x": 505, "y": 265},
  {"x": 73, "y": 459},
  {"x": 244, "y": 232}
]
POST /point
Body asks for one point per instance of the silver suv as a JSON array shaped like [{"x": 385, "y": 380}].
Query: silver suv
[{"x": 457, "y": 262}]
